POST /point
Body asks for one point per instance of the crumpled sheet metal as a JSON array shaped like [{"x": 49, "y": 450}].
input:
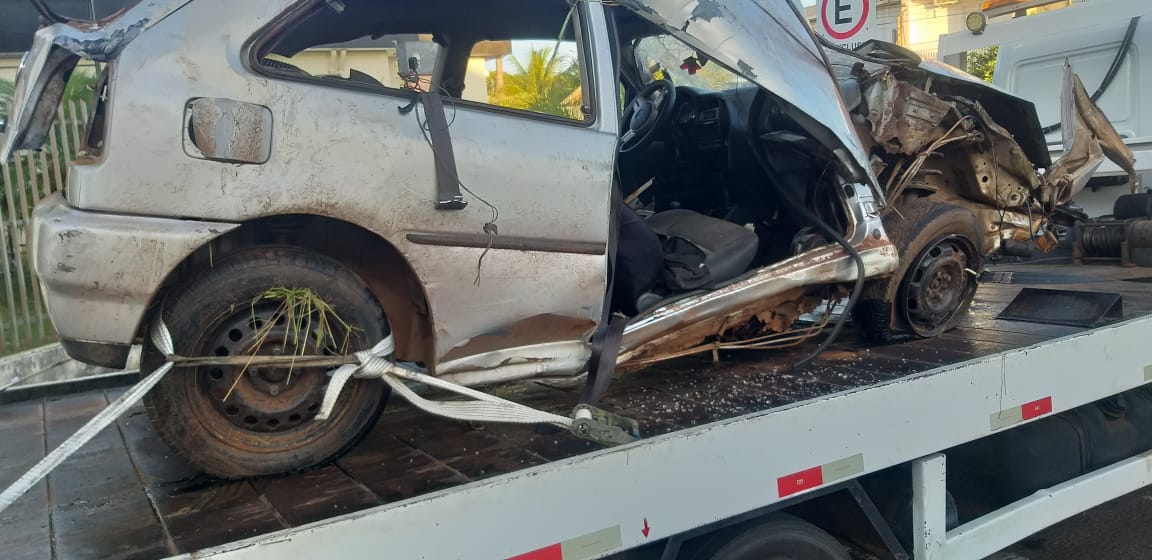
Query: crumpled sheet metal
[
  {"x": 1089, "y": 137},
  {"x": 904, "y": 118},
  {"x": 989, "y": 173}
]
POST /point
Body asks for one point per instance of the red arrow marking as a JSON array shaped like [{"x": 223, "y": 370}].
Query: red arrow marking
[{"x": 646, "y": 528}]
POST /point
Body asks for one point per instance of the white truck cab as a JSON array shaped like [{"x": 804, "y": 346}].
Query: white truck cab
[{"x": 1106, "y": 41}]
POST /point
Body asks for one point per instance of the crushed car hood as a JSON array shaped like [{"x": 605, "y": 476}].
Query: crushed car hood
[{"x": 770, "y": 44}]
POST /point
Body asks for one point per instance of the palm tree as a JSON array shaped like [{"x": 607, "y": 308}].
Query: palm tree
[{"x": 541, "y": 85}]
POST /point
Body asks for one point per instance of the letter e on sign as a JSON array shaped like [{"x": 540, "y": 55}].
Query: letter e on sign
[{"x": 843, "y": 19}]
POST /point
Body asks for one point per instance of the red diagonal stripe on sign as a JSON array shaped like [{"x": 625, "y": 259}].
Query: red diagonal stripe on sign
[
  {"x": 1036, "y": 409},
  {"x": 799, "y": 482},
  {"x": 554, "y": 552}
]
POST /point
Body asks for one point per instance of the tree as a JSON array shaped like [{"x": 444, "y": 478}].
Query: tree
[
  {"x": 541, "y": 85},
  {"x": 982, "y": 62}
]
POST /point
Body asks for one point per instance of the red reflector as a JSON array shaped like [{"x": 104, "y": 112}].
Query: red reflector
[
  {"x": 1036, "y": 409},
  {"x": 799, "y": 482},
  {"x": 553, "y": 552}
]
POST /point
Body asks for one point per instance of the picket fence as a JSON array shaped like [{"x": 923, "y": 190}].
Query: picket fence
[{"x": 26, "y": 179}]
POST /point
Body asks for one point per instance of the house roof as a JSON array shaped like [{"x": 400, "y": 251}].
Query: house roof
[{"x": 19, "y": 20}]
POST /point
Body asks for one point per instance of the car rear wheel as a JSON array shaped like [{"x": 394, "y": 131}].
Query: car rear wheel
[
  {"x": 235, "y": 422},
  {"x": 934, "y": 284}
]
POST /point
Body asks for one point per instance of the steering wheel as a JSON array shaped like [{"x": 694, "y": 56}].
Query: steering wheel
[{"x": 651, "y": 108}]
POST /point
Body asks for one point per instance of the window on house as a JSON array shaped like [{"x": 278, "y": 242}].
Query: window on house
[{"x": 505, "y": 54}]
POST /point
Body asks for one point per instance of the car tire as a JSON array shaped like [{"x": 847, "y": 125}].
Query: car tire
[
  {"x": 939, "y": 245},
  {"x": 778, "y": 537},
  {"x": 267, "y": 423}
]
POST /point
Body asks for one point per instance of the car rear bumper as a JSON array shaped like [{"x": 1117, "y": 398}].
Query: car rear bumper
[{"x": 99, "y": 272}]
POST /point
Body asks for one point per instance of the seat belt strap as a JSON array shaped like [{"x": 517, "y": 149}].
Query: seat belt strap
[
  {"x": 608, "y": 336},
  {"x": 448, "y": 196}
]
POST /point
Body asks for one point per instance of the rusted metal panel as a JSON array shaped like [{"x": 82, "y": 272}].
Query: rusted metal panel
[
  {"x": 1088, "y": 138},
  {"x": 227, "y": 130},
  {"x": 904, "y": 118},
  {"x": 825, "y": 265},
  {"x": 951, "y": 146}
]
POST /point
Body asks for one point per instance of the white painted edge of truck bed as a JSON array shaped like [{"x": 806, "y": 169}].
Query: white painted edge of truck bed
[
  {"x": 673, "y": 483},
  {"x": 50, "y": 365}
]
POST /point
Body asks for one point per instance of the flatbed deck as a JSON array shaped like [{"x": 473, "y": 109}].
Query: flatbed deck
[{"x": 126, "y": 495}]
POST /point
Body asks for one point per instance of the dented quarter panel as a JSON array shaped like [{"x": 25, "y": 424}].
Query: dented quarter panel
[
  {"x": 102, "y": 40},
  {"x": 98, "y": 272},
  {"x": 54, "y": 53}
]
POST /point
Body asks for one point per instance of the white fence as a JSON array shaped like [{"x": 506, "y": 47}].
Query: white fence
[{"x": 24, "y": 180}]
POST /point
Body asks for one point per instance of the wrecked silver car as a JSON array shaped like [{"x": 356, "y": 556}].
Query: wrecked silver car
[{"x": 458, "y": 195}]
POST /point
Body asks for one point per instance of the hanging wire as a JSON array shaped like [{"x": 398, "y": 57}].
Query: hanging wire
[{"x": 412, "y": 83}]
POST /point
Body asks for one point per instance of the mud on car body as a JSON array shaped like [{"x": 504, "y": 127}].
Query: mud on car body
[{"x": 260, "y": 203}]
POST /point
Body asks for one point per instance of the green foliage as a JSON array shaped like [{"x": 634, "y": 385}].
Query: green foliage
[
  {"x": 81, "y": 86},
  {"x": 79, "y": 90},
  {"x": 540, "y": 84},
  {"x": 982, "y": 62}
]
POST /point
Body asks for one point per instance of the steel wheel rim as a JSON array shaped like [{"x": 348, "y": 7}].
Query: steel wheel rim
[
  {"x": 294, "y": 425},
  {"x": 263, "y": 399},
  {"x": 938, "y": 284}
]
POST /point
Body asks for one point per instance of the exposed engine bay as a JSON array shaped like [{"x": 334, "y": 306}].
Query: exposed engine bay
[{"x": 935, "y": 131}]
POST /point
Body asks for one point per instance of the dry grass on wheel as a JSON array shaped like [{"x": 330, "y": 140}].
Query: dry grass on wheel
[{"x": 310, "y": 322}]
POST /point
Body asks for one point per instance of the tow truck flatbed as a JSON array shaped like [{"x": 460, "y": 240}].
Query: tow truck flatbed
[{"x": 126, "y": 495}]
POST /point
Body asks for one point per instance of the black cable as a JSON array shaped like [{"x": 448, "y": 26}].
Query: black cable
[
  {"x": 489, "y": 227},
  {"x": 1117, "y": 63},
  {"x": 853, "y": 298},
  {"x": 828, "y": 230},
  {"x": 848, "y": 52},
  {"x": 425, "y": 129}
]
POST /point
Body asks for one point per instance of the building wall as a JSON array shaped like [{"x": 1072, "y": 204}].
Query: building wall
[
  {"x": 918, "y": 24},
  {"x": 887, "y": 24},
  {"x": 927, "y": 20},
  {"x": 476, "y": 80},
  {"x": 8, "y": 66},
  {"x": 379, "y": 63}
]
